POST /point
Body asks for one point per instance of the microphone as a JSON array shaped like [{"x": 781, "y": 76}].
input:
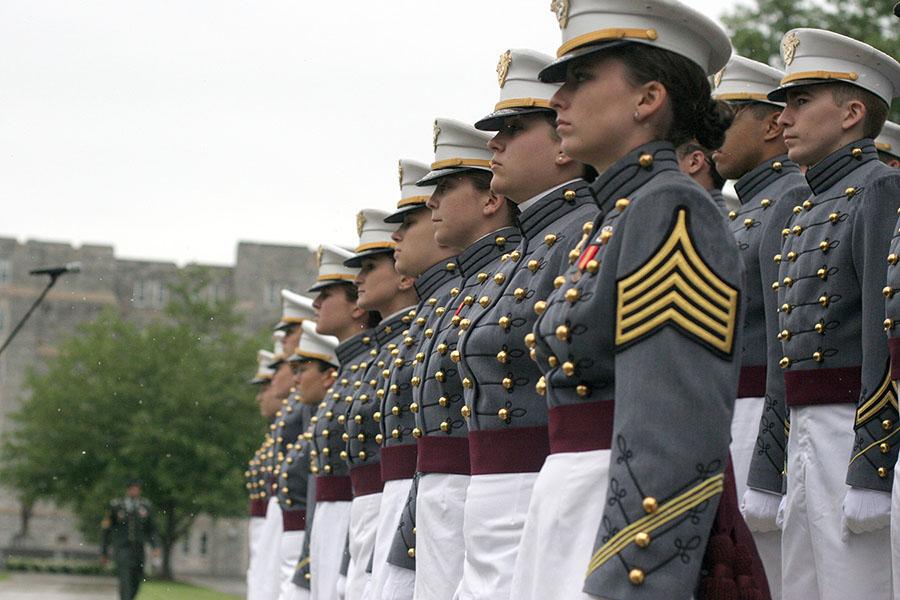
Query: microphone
[{"x": 72, "y": 267}]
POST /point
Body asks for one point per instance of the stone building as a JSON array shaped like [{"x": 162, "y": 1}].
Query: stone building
[{"x": 138, "y": 290}]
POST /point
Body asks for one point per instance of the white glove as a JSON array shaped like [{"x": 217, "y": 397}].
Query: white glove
[
  {"x": 760, "y": 510},
  {"x": 341, "y": 587},
  {"x": 866, "y": 510},
  {"x": 779, "y": 518}
]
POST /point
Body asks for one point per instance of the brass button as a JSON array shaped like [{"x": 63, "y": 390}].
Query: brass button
[
  {"x": 572, "y": 295},
  {"x": 376, "y": 416},
  {"x": 541, "y": 386},
  {"x": 856, "y": 153},
  {"x": 573, "y": 255},
  {"x": 791, "y": 256},
  {"x": 587, "y": 228},
  {"x": 467, "y": 383},
  {"x": 411, "y": 553},
  {"x": 820, "y": 327},
  {"x": 562, "y": 333},
  {"x": 552, "y": 361},
  {"x": 824, "y": 300},
  {"x": 502, "y": 357},
  {"x": 504, "y": 322},
  {"x": 415, "y": 381},
  {"x": 500, "y": 240},
  {"x": 499, "y": 278},
  {"x": 605, "y": 236},
  {"x": 515, "y": 255},
  {"x": 833, "y": 217},
  {"x": 796, "y": 229},
  {"x": 441, "y": 349},
  {"x": 888, "y": 292},
  {"x": 503, "y": 414},
  {"x": 593, "y": 266},
  {"x": 439, "y": 376},
  {"x": 582, "y": 391},
  {"x": 884, "y": 448},
  {"x": 362, "y": 437},
  {"x": 380, "y": 438},
  {"x": 785, "y": 362},
  {"x": 824, "y": 245},
  {"x": 636, "y": 576},
  {"x": 748, "y": 223},
  {"x": 414, "y": 407},
  {"x": 549, "y": 239},
  {"x": 892, "y": 259},
  {"x": 882, "y": 472},
  {"x": 482, "y": 277},
  {"x": 484, "y": 301},
  {"x": 887, "y": 424},
  {"x": 455, "y": 320},
  {"x": 533, "y": 265},
  {"x": 443, "y": 401},
  {"x": 539, "y": 307},
  {"x": 439, "y": 311},
  {"x": 465, "y": 412},
  {"x": 850, "y": 192},
  {"x": 777, "y": 258},
  {"x": 765, "y": 203},
  {"x": 530, "y": 340},
  {"x": 558, "y": 282},
  {"x": 568, "y": 368},
  {"x": 646, "y": 160},
  {"x": 468, "y": 300},
  {"x": 395, "y": 410},
  {"x": 777, "y": 166},
  {"x": 445, "y": 426},
  {"x": 464, "y": 324},
  {"x": 417, "y": 433},
  {"x": 519, "y": 293},
  {"x": 786, "y": 232},
  {"x": 888, "y": 324},
  {"x": 817, "y": 356},
  {"x": 622, "y": 204},
  {"x": 822, "y": 273},
  {"x": 784, "y": 335},
  {"x": 507, "y": 383},
  {"x": 650, "y": 505},
  {"x": 569, "y": 195},
  {"x": 807, "y": 205},
  {"x": 455, "y": 356},
  {"x": 788, "y": 281},
  {"x": 450, "y": 266},
  {"x": 642, "y": 539},
  {"x": 797, "y": 209}
]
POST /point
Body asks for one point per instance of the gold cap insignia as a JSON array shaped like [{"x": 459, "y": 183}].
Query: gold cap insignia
[
  {"x": 400, "y": 172},
  {"x": 717, "y": 79},
  {"x": 360, "y": 222},
  {"x": 319, "y": 253},
  {"x": 437, "y": 132},
  {"x": 789, "y": 47},
  {"x": 561, "y": 9},
  {"x": 503, "y": 67}
]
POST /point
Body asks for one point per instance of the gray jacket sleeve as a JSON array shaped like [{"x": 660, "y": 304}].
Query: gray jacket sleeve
[{"x": 403, "y": 547}]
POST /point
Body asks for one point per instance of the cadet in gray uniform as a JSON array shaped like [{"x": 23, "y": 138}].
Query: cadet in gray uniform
[
  {"x": 434, "y": 266},
  {"x": 507, "y": 418},
  {"x": 256, "y": 481},
  {"x": 888, "y": 145},
  {"x": 381, "y": 289},
  {"x": 638, "y": 342},
  {"x": 768, "y": 185},
  {"x": 835, "y": 359},
  {"x": 337, "y": 315},
  {"x": 466, "y": 215},
  {"x": 696, "y": 160}
]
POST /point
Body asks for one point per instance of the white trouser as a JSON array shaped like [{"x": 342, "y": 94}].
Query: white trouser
[
  {"x": 326, "y": 548},
  {"x": 820, "y": 561},
  {"x": 440, "y": 544},
  {"x": 363, "y": 525},
  {"x": 295, "y": 592},
  {"x": 291, "y": 547},
  {"x": 399, "y": 583},
  {"x": 254, "y": 533},
  {"x": 744, "y": 432},
  {"x": 268, "y": 558},
  {"x": 393, "y": 500},
  {"x": 496, "y": 507},
  {"x": 895, "y": 528},
  {"x": 562, "y": 525}
]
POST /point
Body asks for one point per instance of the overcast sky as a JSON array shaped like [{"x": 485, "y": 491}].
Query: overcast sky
[{"x": 171, "y": 129}]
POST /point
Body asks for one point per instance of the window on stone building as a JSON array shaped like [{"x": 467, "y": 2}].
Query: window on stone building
[
  {"x": 186, "y": 544},
  {"x": 149, "y": 293},
  {"x": 5, "y": 270},
  {"x": 204, "y": 543},
  {"x": 272, "y": 294}
]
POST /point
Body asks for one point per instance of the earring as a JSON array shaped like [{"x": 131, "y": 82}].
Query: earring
[
  {"x": 559, "y": 159},
  {"x": 636, "y": 116}
]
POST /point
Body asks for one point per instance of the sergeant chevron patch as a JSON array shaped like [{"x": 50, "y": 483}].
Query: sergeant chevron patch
[
  {"x": 885, "y": 395},
  {"x": 675, "y": 287}
]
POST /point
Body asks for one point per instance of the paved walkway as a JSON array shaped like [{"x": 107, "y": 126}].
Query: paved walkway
[{"x": 33, "y": 586}]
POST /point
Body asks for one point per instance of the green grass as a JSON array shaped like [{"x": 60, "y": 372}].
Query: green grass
[
  {"x": 165, "y": 590},
  {"x": 3, "y": 576}
]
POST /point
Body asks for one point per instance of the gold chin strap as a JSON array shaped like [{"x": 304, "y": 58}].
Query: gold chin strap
[
  {"x": 375, "y": 246},
  {"x": 613, "y": 33},
  {"x": 851, "y": 76},
  {"x": 413, "y": 200},
  {"x": 460, "y": 162},
  {"x": 522, "y": 103},
  {"x": 742, "y": 96}
]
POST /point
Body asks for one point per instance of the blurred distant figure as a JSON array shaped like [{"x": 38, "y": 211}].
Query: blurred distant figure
[{"x": 127, "y": 526}]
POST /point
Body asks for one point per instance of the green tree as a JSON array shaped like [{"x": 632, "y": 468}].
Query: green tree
[
  {"x": 757, "y": 26},
  {"x": 167, "y": 403}
]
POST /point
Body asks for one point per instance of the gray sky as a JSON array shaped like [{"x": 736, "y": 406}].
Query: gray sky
[{"x": 174, "y": 128}]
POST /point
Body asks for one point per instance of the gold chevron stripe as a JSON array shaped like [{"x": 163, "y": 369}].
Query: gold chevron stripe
[
  {"x": 667, "y": 512},
  {"x": 302, "y": 564},
  {"x": 875, "y": 444},
  {"x": 700, "y": 302},
  {"x": 884, "y": 395}
]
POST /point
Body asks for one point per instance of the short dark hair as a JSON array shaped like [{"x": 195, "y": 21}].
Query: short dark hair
[
  {"x": 876, "y": 108},
  {"x": 695, "y": 115},
  {"x": 481, "y": 181},
  {"x": 760, "y": 110},
  {"x": 691, "y": 147}
]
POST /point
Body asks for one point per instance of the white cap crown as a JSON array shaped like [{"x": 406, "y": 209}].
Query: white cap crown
[
  {"x": 331, "y": 270},
  {"x": 316, "y": 346},
  {"x": 889, "y": 140},
  {"x": 295, "y": 309},
  {"x": 743, "y": 79},
  {"x": 457, "y": 146}
]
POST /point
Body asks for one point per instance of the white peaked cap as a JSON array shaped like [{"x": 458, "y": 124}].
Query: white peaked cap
[
  {"x": 374, "y": 235},
  {"x": 412, "y": 197},
  {"x": 521, "y": 92},
  {"x": 457, "y": 147},
  {"x": 592, "y": 25},
  {"x": 278, "y": 351},
  {"x": 889, "y": 140},
  {"x": 743, "y": 79},
  {"x": 814, "y": 56},
  {"x": 331, "y": 267},
  {"x": 315, "y": 346},
  {"x": 295, "y": 309},
  {"x": 264, "y": 372}
]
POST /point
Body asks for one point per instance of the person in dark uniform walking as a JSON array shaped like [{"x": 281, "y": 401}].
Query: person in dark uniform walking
[{"x": 127, "y": 526}]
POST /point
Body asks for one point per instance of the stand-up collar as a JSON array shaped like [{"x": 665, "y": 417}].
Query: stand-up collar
[
  {"x": 355, "y": 346},
  {"x": 394, "y": 324},
  {"x": 477, "y": 256},
  {"x": 436, "y": 276},
  {"x": 633, "y": 171},
  {"x": 840, "y": 164},
  {"x": 761, "y": 177},
  {"x": 555, "y": 204}
]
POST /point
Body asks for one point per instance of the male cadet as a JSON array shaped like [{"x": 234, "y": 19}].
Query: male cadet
[
  {"x": 696, "y": 161},
  {"x": 507, "y": 417},
  {"x": 416, "y": 254},
  {"x": 128, "y": 525},
  {"x": 337, "y": 315},
  {"x": 315, "y": 365},
  {"x": 835, "y": 360},
  {"x": 393, "y": 296},
  {"x": 258, "y": 495},
  {"x": 888, "y": 144},
  {"x": 768, "y": 187},
  {"x": 296, "y": 413},
  {"x": 467, "y": 216}
]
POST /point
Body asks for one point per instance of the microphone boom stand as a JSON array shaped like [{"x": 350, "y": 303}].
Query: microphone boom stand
[{"x": 53, "y": 278}]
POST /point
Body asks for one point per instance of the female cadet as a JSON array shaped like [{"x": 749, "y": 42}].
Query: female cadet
[
  {"x": 336, "y": 314},
  {"x": 637, "y": 344}
]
